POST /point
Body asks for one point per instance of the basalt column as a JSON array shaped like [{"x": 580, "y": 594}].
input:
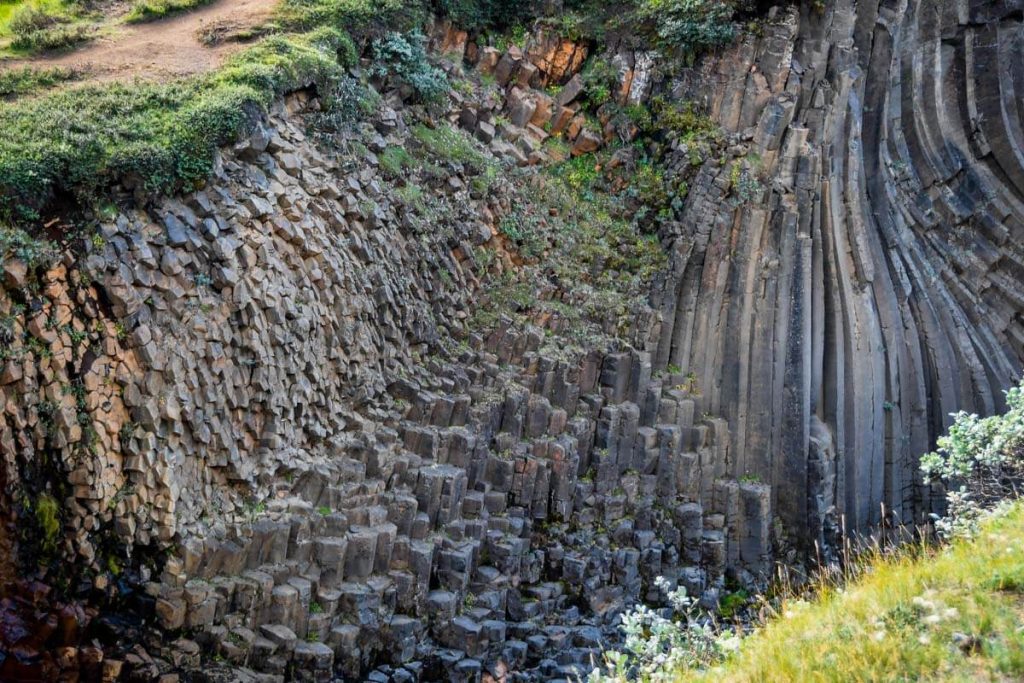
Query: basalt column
[{"x": 867, "y": 282}]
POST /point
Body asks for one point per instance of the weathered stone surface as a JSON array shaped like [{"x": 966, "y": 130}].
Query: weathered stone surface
[{"x": 274, "y": 386}]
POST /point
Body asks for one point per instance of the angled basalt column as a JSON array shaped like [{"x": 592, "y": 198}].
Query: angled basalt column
[{"x": 875, "y": 284}]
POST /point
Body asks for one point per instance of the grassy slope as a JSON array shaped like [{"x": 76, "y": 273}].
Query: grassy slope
[
  {"x": 903, "y": 621},
  {"x": 164, "y": 136}
]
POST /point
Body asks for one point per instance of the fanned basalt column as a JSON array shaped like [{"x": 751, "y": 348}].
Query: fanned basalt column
[{"x": 854, "y": 275}]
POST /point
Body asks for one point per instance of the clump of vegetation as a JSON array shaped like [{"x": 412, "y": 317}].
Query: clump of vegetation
[
  {"x": 918, "y": 613},
  {"x": 30, "y": 250},
  {"x": 683, "y": 119},
  {"x": 48, "y": 519},
  {"x": 405, "y": 57},
  {"x": 599, "y": 79},
  {"x": 982, "y": 460},
  {"x": 656, "y": 646},
  {"x": 38, "y": 30},
  {"x": 28, "y": 18},
  {"x": 449, "y": 144},
  {"x": 27, "y": 80},
  {"x": 690, "y": 26},
  {"x": 482, "y": 14},
  {"x": 52, "y": 39},
  {"x": 150, "y": 10},
  {"x": 394, "y": 160}
]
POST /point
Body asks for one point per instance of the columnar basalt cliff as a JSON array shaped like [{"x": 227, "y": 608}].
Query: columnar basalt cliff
[
  {"x": 871, "y": 285},
  {"x": 369, "y": 432}
]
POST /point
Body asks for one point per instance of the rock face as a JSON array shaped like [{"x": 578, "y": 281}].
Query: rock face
[
  {"x": 275, "y": 377},
  {"x": 868, "y": 283}
]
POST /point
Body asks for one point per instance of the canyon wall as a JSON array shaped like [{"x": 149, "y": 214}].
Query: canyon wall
[{"x": 283, "y": 382}]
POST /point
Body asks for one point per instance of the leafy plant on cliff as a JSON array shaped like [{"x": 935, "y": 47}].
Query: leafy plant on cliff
[
  {"x": 981, "y": 459},
  {"x": 405, "y": 57},
  {"x": 47, "y": 514},
  {"x": 690, "y": 26}
]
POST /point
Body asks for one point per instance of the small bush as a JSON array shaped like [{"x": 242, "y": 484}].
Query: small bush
[
  {"x": 657, "y": 647},
  {"x": 394, "y": 160},
  {"x": 28, "y": 19},
  {"x": 343, "y": 102},
  {"x": 599, "y": 82},
  {"x": 450, "y": 144},
  {"x": 981, "y": 459},
  {"x": 28, "y": 80},
  {"x": 56, "y": 38},
  {"x": 151, "y": 10},
  {"x": 690, "y": 26},
  {"x": 405, "y": 57}
]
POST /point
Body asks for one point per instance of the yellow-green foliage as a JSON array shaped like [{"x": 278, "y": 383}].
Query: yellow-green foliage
[
  {"x": 48, "y": 518},
  {"x": 449, "y": 144},
  {"x": 952, "y": 615}
]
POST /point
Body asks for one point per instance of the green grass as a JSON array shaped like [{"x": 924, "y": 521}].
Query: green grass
[
  {"x": 151, "y": 10},
  {"x": 160, "y": 137},
  {"x": 26, "y": 81},
  {"x": 8, "y": 9},
  {"x": 952, "y": 615},
  {"x": 36, "y": 26},
  {"x": 449, "y": 144}
]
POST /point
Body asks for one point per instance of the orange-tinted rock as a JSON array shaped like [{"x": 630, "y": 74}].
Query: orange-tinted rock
[{"x": 557, "y": 58}]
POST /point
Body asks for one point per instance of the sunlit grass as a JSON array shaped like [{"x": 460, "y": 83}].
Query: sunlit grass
[
  {"x": 8, "y": 8},
  {"x": 955, "y": 614}
]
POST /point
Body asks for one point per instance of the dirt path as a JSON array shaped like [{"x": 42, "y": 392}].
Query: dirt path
[{"x": 160, "y": 50}]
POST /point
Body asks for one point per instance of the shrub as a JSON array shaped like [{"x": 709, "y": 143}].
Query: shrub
[
  {"x": 28, "y": 19},
  {"x": 982, "y": 459},
  {"x": 599, "y": 81},
  {"x": 450, "y": 144},
  {"x": 690, "y": 26},
  {"x": 36, "y": 29},
  {"x": 657, "y": 647},
  {"x": 56, "y": 38},
  {"x": 343, "y": 102},
  {"x": 483, "y": 14},
  {"x": 33, "y": 252},
  {"x": 683, "y": 119},
  {"x": 150, "y": 10},
  {"x": 394, "y": 160},
  {"x": 27, "y": 80},
  {"x": 405, "y": 57}
]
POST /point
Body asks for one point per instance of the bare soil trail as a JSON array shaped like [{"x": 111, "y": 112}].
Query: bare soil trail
[{"x": 160, "y": 50}]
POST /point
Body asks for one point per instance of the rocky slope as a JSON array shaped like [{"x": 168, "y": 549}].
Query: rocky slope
[{"x": 377, "y": 432}]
